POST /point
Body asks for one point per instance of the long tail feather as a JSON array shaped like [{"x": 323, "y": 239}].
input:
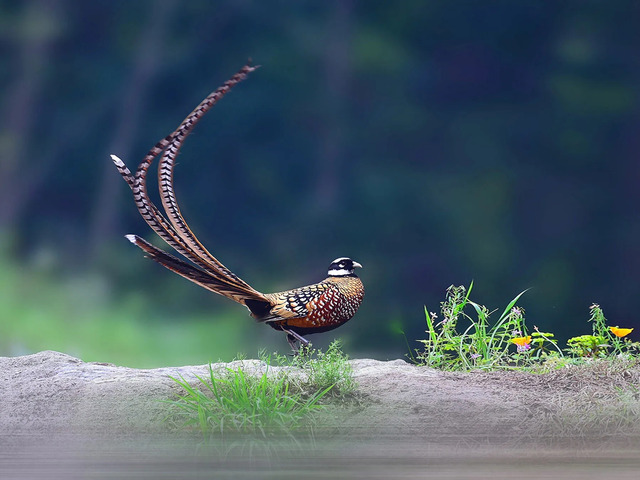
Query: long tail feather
[
  {"x": 189, "y": 247},
  {"x": 185, "y": 245},
  {"x": 176, "y": 232},
  {"x": 162, "y": 227},
  {"x": 166, "y": 168},
  {"x": 196, "y": 275},
  {"x": 152, "y": 215}
]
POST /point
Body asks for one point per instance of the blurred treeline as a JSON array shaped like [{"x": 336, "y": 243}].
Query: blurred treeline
[{"x": 435, "y": 142}]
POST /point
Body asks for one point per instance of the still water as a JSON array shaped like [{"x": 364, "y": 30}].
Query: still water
[{"x": 363, "y": 457}]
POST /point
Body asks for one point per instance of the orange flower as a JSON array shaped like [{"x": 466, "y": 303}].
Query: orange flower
[
  {"x": 620, "y": 332},
  {"x": 522, "y": 341}
]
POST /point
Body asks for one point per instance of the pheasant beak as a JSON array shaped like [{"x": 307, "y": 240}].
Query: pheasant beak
[{"x": 356, "y": 265}]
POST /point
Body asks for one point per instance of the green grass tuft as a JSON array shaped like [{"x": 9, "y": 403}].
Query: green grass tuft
[
  {"x": 233, "y": 401},
  {"x": 280, "y": 401}
]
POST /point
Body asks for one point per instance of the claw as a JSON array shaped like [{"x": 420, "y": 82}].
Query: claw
[{"x": 293, "y": 339}]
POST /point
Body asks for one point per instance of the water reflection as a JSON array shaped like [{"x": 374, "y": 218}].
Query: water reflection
[{"x": 366, "y": 457}]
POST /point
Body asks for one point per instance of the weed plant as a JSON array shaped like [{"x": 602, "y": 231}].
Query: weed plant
[
  {"x": 330, "y": 369},
  {"x": 479, "y": 344},
  {"x": 604, "y": 342},
  {"x": 507, "y": 343}
]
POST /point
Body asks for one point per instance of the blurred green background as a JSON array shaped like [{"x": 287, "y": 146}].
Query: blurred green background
[{"x": 435, "y": 142}]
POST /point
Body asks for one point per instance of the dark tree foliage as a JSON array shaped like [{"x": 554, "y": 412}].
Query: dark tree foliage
[{"x": 435, "y": 142}]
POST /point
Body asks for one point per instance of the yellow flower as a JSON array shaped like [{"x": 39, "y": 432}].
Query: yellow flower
[
  {"x": 620, "y": 332},
  {"x": 522, "y": 341}
]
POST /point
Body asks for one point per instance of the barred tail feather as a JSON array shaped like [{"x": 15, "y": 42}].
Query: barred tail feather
[
  {"x": 209, "y": 272},
  {"x": 152, "y": 215},
  {"x": 197, "y": 275},
  {"x": 163, "y": 228},
  {"x": 167, "y": 164},
  {"x": 123, "y": 170}
]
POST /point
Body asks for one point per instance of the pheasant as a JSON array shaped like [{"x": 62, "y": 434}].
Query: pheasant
[{"x": 301, "y": 311}]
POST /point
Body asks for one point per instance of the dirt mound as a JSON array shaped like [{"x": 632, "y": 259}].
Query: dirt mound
[{"x": 51, "y": 392}]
